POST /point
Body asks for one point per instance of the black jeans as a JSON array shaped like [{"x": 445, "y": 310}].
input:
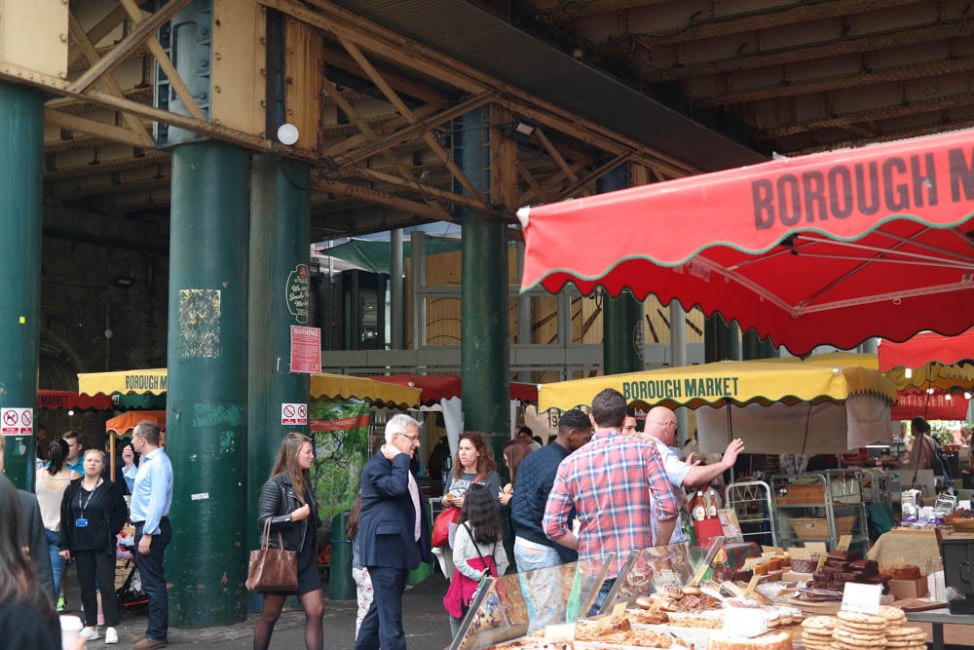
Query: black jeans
[
  {"x": 154, "y": 579},
  {"x": 101, "y": 565}
]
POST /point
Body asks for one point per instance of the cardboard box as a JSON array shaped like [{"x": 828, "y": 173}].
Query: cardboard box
[{"x": 902, "y": 589}]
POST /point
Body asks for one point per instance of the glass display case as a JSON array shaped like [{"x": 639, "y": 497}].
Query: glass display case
[{"x": 519, "y": 604}]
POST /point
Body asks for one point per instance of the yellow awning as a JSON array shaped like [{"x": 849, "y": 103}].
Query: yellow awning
[
  {"x": 152, "y": 381},
  {"x": 325, "y": 384},
  {"x": 760, "y": 381},
  {"x": 946, "y": 377},
  {"x": 155, "y": 381}
]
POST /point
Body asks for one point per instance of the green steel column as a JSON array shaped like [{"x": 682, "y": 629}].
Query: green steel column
[
  {"x": 720, "y": 339},
  {"x": 279, "y": 250},
  {"x": 206, "y": 564},
  {"x": 622, "y": 315},
  {"x": 754, "y": 347},
  {"x": 484, "y": 352},
  {"x": 21, "y": 212}
]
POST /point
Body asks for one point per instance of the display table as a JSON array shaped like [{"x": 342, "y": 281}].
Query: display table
[
  {"x": 938, "y": 618},
  {"x": 907, "y": 545}
]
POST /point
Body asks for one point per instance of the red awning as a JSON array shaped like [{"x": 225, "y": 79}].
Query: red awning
[
  {"x": 830, "y": 248},
  {"x": 65, "y": 399},
  {"x": 937, "y": 405},
  {"x": 437, "y": 387},
  {"x": 926, "y": 347}
]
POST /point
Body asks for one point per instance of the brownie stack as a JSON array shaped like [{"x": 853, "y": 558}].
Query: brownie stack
[{"x": 846, "y": 566}]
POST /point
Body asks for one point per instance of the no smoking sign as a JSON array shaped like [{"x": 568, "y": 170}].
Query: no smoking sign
[
  {"x": 294, "y": 414},
  {"x": 16, "y": 421}
]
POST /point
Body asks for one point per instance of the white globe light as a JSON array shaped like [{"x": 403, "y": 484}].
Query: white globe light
[{"x": 287, "y": 134}]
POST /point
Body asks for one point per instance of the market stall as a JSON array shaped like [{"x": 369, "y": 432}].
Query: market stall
[
  {"x": 338, "y": 411},
  {"x": 443, "y": 392},
  {"x": 775, "y": 407},
  {"x": 680, "y": 601}
]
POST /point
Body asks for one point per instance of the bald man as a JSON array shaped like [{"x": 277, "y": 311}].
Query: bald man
[{"x": 661, "y": 427}]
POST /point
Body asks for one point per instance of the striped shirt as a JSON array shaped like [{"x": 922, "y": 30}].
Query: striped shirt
[{"x": 611, "y": 482}]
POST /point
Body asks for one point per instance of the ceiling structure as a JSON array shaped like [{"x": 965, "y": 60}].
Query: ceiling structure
[{"x": 670, "y": 87}]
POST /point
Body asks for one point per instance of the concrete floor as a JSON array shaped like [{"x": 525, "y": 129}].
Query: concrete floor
[{"x": 426, "y": 623}]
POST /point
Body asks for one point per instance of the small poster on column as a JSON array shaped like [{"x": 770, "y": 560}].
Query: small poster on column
[{"x": 305, "y": 349}]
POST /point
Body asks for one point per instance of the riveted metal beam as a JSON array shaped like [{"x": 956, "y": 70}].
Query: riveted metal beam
[{"x": 142, "y": 32}]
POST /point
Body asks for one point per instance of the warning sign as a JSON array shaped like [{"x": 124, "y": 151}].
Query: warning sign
[
  {"x": 305, "y": 349},
  {"x": 17, "y": 421},
  {"x": 294, "y": 414}
]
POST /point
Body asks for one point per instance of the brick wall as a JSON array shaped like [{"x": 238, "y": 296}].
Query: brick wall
[{"x": 81, "y": 297}]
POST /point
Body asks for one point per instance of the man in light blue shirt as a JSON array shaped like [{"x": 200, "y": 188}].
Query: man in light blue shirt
[
  {"x": 661, "y": 427},
  {"x": 151, "y": 500}
]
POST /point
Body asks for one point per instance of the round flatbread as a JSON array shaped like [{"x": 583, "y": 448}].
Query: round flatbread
[
  {"x": 820, "y": 623},
  {"x": 861, "y": 620},
  {"x": 893, "y": 615},
  {"x": 905, "y": 633},
  {"x": 859, "y": 638}
]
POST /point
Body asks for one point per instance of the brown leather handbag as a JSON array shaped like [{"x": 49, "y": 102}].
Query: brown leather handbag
[{"x": 272, "y": 569}]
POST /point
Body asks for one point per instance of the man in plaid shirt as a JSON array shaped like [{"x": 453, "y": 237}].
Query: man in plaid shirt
[{"x": 611, "y": 482}]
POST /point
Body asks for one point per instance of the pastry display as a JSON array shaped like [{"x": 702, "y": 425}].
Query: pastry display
[
  {"x": 622, "y": 632},
  {"x": 905, "y": 572},
  {"x": 770, "y": 641},
  {"x": 846, "y": 566}
]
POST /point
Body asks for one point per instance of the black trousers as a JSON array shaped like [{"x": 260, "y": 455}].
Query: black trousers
[{"x": 89, "y": 565}]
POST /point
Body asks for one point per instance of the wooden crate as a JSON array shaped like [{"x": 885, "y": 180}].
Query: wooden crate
[
  {"x": 801, "y": 494},
  {"x": 811, "y": 528}
]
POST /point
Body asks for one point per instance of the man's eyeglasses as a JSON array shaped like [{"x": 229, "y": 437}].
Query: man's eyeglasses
[
  {"x": 667, "y": 423},
  {"x": 411, "y": 438}
]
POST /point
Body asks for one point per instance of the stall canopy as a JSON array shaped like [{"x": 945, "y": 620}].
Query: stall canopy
[
  {"x": 155, "y": 381},
  {"x": 830, "y": 248},
  {"x": 926, "y": 347},
  {"x": 65, "y": 399},
  {"x": 937, "y": 376},
  {"x": 123, "y": 424},
  {"x": 775, "y": 407},
  {"x": 438, "y": 387},
  {"x": 933, "y": 390},
  {"x": 443, "y": 392}
]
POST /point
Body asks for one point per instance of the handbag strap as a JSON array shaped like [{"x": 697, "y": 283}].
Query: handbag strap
[
  {"x": 265, "y": 537},
  {"x": 477, "y": 548}
]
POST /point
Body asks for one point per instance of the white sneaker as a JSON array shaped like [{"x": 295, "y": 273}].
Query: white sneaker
[
  {"x": 111, "y": 636},
  {"x": 90, "y": 633}
]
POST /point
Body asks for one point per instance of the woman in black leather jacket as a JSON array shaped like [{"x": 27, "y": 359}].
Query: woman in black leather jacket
[{"x": 287, "y": 499}]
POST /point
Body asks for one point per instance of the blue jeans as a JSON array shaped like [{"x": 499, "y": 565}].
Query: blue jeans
[
  {"x": 542, "y": 589},
  {"x": 57, "y": 562},
  {"x": 603, "y": 594},
  {"x": 154, "y": 579}
]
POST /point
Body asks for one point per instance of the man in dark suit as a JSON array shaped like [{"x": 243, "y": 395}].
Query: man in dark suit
[
  {"x": 393, "y": 535},
  {"x": 37, "y": 540}
]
